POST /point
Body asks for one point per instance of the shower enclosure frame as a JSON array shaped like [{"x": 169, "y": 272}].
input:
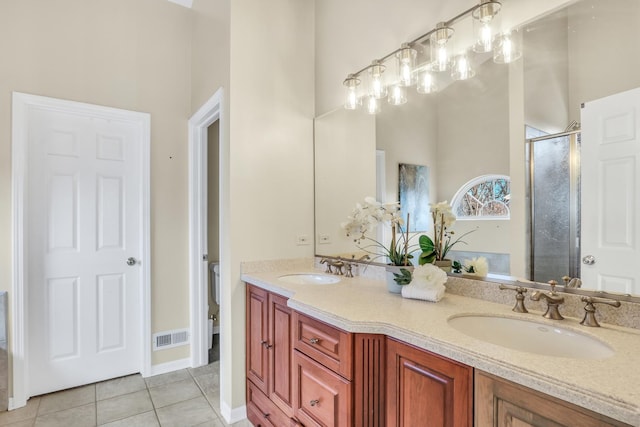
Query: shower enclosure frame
[{"x": 574, "y": 199}]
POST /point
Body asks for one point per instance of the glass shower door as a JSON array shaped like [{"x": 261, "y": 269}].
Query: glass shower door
[{"x": 554, "y": 196}]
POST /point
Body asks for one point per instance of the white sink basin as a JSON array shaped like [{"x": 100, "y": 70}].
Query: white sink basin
[
  {"x": 309, "y": 279},
  {"x": 531, "y": 337}
]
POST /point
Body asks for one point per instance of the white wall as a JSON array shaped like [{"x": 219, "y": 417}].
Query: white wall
[
  {"x": 613, "y": 67},
  {"x": 345, "y": 173},
  {"x": 270, "y": 197}
]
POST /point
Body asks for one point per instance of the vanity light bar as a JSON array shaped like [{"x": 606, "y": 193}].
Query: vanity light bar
[{"x": 505, "y": 47}]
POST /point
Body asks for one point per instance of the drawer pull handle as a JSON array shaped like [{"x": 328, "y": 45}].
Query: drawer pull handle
[
  {"x": 267, "y": 415},
  {"x": 314, "y": 340},
  {"x": 266, "y": 344},
  {"x": 314, "y": 402}
]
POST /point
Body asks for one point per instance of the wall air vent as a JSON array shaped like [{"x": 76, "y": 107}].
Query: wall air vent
[{"x": 169, "y": 339}]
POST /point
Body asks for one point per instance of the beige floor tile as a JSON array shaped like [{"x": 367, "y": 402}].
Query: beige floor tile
[
  {"x": 171, "y": 393},
  {"x": 213, "y": 423},
  {"x": 120, "y": 386},
  {"x": 170, "y": 377},
  {"x": 209, "y": 382},
  {"x": 211, "y": 368},
  {"x": 124, "y": 406},
  {"x": 66, "y": 399},
  {"x": 186, "y": 414},
  {"x": 82, "y": 416},
  {"x": 148, "y": 419},
  {"x": 27, "y": 412},
  {"x": 25, "y": 423}
]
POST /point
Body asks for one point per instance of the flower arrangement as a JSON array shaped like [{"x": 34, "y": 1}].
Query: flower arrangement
[
  {"x": 436, "y": 249},
  {"x": 366, "y": 216}
]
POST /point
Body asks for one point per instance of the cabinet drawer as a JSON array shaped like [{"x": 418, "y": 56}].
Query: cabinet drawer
[
  {"x": 263, "y": 412},
  {"x": 322, "y": 398},
  {"x": 324, "y": 343}
]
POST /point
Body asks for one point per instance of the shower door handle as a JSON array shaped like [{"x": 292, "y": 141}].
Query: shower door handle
[{"x": 589, "y": 260}]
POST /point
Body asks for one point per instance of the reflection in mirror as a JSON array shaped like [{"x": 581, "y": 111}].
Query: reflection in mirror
[{"x": 577, "y": 54}]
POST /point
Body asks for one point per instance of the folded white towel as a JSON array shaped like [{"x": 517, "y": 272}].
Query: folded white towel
[{"x": 432, "y": 293}]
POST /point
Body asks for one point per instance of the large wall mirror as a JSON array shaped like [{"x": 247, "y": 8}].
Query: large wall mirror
[{"x": 560, "y": 122}]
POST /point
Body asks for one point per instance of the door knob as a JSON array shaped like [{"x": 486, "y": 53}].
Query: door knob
[
  {"x": 589, "y": 260},
  {"x": 131, "y": 261}
]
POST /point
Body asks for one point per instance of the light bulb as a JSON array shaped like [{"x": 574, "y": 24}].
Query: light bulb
[
  {"x": 461, "y": 69},
  {"x": 508, "y": 47},
  {"x": 486, "y": 39},
  {"x": 426, "y": 82},
  {"x": 352, "y": 100},
  {"x": 397, "y": 96},
  {"x": 373, "y": 106},
  {"x": 405, "y": 60},
  {"x": 438, "y": 45},
  {"x": 377, "y": 88},
  {"x": 485, "y": 22}
]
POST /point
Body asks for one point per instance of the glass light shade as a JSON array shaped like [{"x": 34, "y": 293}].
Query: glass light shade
[
  {"x": 486, "y": 21},
  {"x": 508, "y": 47},
  {"x": 427, "y": 82},
  {"x": 397, "y": 95},
  {"x": 406, "y": 62},
  {"x": 438, "y": 47},
  {"x": 377, "y": 87},
  {"x": 373, "y": 105},
  {"x": 461, "y": 68},
  {"x": 352, "y": 100}
]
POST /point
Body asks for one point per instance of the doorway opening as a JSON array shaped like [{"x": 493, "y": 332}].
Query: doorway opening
[
  {"x": 213, "y": 239},
  {"x": 206, "y": 186}
]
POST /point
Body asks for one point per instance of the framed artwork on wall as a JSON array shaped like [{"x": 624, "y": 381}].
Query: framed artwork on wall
[{"x": 414, "y": 196}]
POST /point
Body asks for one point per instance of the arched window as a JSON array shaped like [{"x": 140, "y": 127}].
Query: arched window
[{"x": 484, "y": 197}]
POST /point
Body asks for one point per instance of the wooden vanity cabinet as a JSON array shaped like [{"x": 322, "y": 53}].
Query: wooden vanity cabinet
[
  {"x": 425, "y": 389},
  {"x": 323, "y": 373},
  {"x": 268, "y": 357},
  {"x": 501, "y": 403}
]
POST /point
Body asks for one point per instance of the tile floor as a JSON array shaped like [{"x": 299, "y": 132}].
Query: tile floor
[{"x": 186, "y": 398}]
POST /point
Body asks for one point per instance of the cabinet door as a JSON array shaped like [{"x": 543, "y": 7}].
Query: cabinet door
[
  {"x": 427, "y": 390},
  {"x": 501, "y": 403},
  {"x": 280, "y": 336},
  {"x": 257, "y": 337},
  {"x": 322, "y": 397}
]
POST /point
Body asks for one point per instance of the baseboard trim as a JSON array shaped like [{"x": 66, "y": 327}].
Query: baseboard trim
[
  {"x": 233, "y": 415},
  {"x": 175, "y": 365},
  {"x": 15, "y": 404}
]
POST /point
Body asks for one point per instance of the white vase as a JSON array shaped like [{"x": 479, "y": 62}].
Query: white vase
[{"x": 392, "y": 285}]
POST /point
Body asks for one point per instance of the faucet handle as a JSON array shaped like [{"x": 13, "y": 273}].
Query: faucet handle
[
  {"x": 590, "y": 310},
  {"x": 553, "y": 285},
  {"x": 520, "y": 291}
]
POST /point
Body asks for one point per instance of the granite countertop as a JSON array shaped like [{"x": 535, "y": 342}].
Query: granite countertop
[{"x": 608, "y": 386}]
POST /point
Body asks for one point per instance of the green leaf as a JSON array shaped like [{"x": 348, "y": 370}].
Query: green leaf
[
  {"x": 403, "y": 278},
  {"x": 426, "y": 244},
  {"x": 427, "y": 258}
]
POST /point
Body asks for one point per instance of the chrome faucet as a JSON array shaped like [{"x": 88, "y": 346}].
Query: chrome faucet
[
  {"x": 553, "y": 301},
  {"x": 590, "y": 310}
]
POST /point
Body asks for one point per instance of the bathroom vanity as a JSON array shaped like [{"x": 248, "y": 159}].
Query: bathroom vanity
[{"x": 351, "y": 353}]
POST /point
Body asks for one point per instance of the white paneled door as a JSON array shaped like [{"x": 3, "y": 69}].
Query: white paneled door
[
  {"x": 610, "y": 155},
  {"x": 83, "y": 221}
]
